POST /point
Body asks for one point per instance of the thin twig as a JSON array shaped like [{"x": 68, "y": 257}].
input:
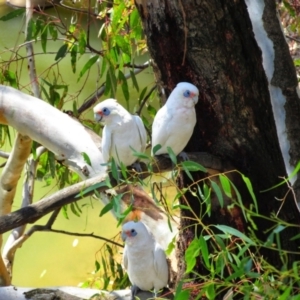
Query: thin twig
[
  {"x": 139, "y": 111},
  {"x": 46, "y": 229},
  {"x": 92, "y": 100}
]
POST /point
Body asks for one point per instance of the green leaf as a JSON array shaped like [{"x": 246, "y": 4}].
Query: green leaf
[
  {"x": 156, "y": 148},
  {"x": 61, "y": 51},
  {"x": 53, "y": 31},
  {"x": 134, "y": 81},
  {"x": 74, "y": 211},
  {"x": 143, "y": 93},
  {"x": 114, "y": 169},
  {"x": 86, "y": 158},
  {"x": 151, "y": 111},
  {"x": 172, "y": 155},
  {"x": 92, "y": 188},
  {"x": 124, "y": 85},
  {"x": 181, "y": 294},
  {"x": 74, "y": 57},
  {"x": 15, "y": 13},
  {"x": 87, "y": 66},
  {"x": 30, "y": 30},
  {"x": 210, "y": 291},
  {"x": 97, "y": 266},
  {"x": 225, "y": 185},
  {"x": 108, "y": 207},
  {"x": 250, "y": 189},
  {"x": 134, "y": 18},
  {"x": 44, "y": 36},
  {"x": 82, "y": 42},
  {"x": 191, "y": 253},
  {"x": 193, "y": 166},
  {"x": 232, "y": 231},
  {"x": 11, "y": 78},
  {"x": 295, "y": 171},
  {"x": 204, "y": 251},
  {"x": 218, "y": 192},
  {"x": 51, "y": 161}
]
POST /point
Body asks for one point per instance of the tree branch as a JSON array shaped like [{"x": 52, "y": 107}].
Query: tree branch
[{"x": 70, "y": 194}]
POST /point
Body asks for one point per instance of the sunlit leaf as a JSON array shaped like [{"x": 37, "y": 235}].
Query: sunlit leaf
[
  {"x": 82, "y": 42},
  {"x": 210, "y": 292},
  {"x": 225, "y": 185},
  {"x": 181, "y": 294},
  {"x": 11, "y": 78},
  {"x": 193, "y": 166},
  {"x": 108, "y": 207},
  {"x": 191, "y": 253},
  {"x": 232, "y": 231},
  {"x": 151, "y": 111}
]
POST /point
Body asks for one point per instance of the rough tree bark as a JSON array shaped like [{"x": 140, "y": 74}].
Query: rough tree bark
[{"x": 212, "y": 45}]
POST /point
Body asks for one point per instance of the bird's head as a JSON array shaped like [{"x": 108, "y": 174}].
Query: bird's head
[
  {"x": 132, "y": 231},
  {"x": 106, "y": 110},
  {"x": 187, "y": 93}
]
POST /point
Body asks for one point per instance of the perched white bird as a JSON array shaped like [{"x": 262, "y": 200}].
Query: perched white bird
[
  {"x": 174, "y": 123},
  {"x": 143, "y": 258},
  {"x": 122, "y": 131}
]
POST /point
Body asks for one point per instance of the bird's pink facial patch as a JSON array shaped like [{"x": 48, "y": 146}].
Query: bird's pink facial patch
[{"x": 99, "y": 113}]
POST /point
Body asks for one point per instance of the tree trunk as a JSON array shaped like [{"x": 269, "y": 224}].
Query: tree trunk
[{"x": 211, "y": 44}]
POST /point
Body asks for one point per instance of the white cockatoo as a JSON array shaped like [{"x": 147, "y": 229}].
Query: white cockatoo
[
  {"x": 143, "y": 258},
  {"x": 122, "y": 132},
  {"x": 174, "y": 123}
]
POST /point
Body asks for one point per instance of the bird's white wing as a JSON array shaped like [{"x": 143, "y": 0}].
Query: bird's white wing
[
  {"x": 160, "y": 132},
  {"x": 125, "y": 258},
  {"x": 142, "y": 131},
  {"x": 160, "y": 264},
  {"x": 106, "y": 143}
]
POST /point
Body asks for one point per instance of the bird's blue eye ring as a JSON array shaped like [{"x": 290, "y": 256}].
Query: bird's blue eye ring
[
  {"x": 133, "y": 232},
  {"x": 105, "y": 111},
  {"x": 186, "y": 93}
]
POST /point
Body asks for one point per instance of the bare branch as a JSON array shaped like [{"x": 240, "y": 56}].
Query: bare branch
[{"x": 4, "y": 154}]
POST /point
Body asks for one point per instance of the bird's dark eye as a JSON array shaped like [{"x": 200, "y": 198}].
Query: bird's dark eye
[
  {"x": 186, "y": 93},
  {"x": 133, "y": 232},
  {"x": 106, "y": 111}
]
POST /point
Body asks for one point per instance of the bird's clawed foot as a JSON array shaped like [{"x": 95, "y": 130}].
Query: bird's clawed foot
[
  {"x": 183, "y": 156},
  {"x": 137, "y": 167},
  {"x": 134, "y": 290}
]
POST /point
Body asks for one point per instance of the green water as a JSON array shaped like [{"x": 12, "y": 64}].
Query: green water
[{"x": 49, "y": 259}]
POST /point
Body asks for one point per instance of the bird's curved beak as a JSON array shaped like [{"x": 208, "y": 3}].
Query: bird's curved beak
[
  {"x": 194, "y": 97},
  {"x": 124, "y": 235},
  {"x": 98, "y": 116}
]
